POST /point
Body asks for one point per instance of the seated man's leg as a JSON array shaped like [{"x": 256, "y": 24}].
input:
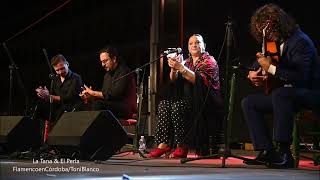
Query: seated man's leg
[
  {"x": 286, "y": 101},
  {"x": 284, "y": 107},
  {"x": 98, "y": 105},
  {"x": 254, "y": 108},
  {"x": 120, "y": 110}
]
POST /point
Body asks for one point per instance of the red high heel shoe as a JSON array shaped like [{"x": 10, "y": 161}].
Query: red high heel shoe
[
  {"x": 180, "y": 152},
  {"x": 157, "y": 152}
]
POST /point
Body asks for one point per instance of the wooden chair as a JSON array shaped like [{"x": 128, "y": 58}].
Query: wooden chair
[
  {"x": 131, "y": 127},
  {"x": 314, "y": 133}
]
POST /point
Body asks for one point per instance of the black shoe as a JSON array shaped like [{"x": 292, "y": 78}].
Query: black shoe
[
  {"x": 286, "y": 162},
  {"x": 259, "y": 160},
  {"x": 264, "y": 157}
]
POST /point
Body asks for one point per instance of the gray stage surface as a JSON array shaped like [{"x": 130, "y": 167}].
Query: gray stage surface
[{"x": 129, "y": 166}]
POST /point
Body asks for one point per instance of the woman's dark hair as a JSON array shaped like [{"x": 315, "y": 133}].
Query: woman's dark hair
[
  {"x": 278, "y": 19},
  {"x": 112, "y": 51}
]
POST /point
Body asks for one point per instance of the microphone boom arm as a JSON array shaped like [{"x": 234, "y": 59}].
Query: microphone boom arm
[{"x": 138, "y": 69}]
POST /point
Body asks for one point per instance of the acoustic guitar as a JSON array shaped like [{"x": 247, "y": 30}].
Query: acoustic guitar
[{"x": 272, "y": 82}]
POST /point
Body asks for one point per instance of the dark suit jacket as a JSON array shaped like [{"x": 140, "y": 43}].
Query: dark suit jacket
[{"x": 299, "y": 64}]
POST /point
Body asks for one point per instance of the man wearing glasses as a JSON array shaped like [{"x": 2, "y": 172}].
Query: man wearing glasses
[{"x": 118, "y": 92}]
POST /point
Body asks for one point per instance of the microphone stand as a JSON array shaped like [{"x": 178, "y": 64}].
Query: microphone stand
[
  {"x": 178, "y": 51},
  {"x": 140, "y": 68},
  {"x": 11, "y": 68},
  {"x": 14, "y": 68},
  {"x": 225, "y": 151},
  {"x": 139, "y": 101},
  {"x": 52, "y": 76}
]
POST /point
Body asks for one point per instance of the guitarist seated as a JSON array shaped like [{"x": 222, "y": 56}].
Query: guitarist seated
[{"x": 293, "y": 64}]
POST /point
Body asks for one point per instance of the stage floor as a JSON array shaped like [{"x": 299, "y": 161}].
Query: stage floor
[{"x": 131, "y": 166}]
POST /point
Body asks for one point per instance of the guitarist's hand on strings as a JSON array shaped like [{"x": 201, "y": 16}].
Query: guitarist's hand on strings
[
  {"x": 256, "y": 78},
  {"x": 264, "y": 62}
]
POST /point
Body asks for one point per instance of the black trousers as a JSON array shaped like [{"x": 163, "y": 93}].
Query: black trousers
[
  {"x": 119, "y": 109},
  {"x": 283, "y": 103}
]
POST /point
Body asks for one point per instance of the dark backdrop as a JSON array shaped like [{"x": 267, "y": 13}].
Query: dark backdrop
[{"x": 80, "y": 28}]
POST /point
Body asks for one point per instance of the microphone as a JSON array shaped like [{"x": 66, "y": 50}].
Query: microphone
[{"x": 172, "y": 50}]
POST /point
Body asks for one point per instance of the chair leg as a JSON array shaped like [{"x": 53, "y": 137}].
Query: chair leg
[
  {"x": 316, "y": 159},
  {"x": 296, "y": 140},
  {"x": 316, "y": 155},
  {"x": 136, "y": 136}
]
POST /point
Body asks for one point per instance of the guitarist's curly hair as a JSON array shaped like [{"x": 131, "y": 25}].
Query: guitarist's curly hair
[{"x": 277, "y": 18}]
